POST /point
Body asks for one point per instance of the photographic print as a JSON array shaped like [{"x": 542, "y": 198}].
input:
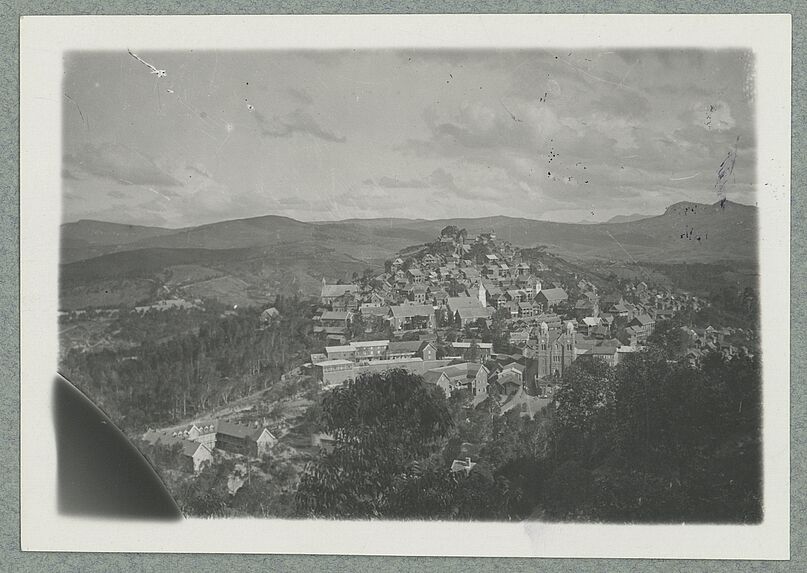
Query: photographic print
[{"x": 493, "y": 284}]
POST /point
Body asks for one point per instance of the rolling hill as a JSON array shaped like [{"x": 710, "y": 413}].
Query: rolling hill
[
  {"x": 271, "y": 254},
  {"x": 627, "y": 218}
]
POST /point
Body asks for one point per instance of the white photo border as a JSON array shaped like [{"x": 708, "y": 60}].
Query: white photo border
[{"x": 43, "y": 43}]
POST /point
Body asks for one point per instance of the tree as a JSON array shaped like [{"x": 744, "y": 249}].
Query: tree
[
  {"x": 450, "y": 231},
  {"x": 472, "y": 354},
  {"x": 356, "y": 326},
  {"x": 583, "y": 401},
  {"x": 657, "y": 440},
  {"x": 384, "y": 424},
  {"x": 207, "y": 494}
]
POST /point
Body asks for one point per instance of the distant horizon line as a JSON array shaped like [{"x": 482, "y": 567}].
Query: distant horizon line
[{"x": 420, "y": 219}]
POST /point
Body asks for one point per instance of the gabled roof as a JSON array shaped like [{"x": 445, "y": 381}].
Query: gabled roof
[
  {"x": 433, "y": 376},
  {"x": 338, "y": 349},
  {"x": 337, "y": 362},
  {"x": 271, "y": 312},
  {"x": 404, "y": 346},
  {"x": 410, "y": 310},
  {"x": 471, "y": 312},
  {"x": 554, "y": 294},
  {"x": 375, "y": 310},
  {"x": 464, "y": 369},
  {"x": 493, "y": 290},
  {"x": 509, "y": 378},
  {"x": 438, "y": 293},
  {"x": 514, "y": 366},
  {"x": 189, "y": 448},
  {"x": 644, "y": 319},
  {"x": 334, "y": 315},
  {"x": 366, "y": 343},
  {"x": 241, "y": 431},
  {"x": 456, "y": 302}
]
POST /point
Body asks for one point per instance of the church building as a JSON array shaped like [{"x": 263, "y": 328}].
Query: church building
[{"x": 551, "y": 354}]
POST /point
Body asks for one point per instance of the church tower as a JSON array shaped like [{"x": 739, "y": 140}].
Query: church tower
[
  {"x": 542, "y": 353},
  {"x": 569, "y": 343},
  {"x": 482, "y": 295}
]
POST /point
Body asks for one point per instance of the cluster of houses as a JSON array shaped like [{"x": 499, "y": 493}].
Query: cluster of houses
[
  {"x": 701, "y": 341},
  {"x": 465, "y": 283},
  {"x": 468, "y": 287},
  {"x": 423, "y": 293},
  {"x": 451, "y": 371},
  {"x": 198, "y": 440}
]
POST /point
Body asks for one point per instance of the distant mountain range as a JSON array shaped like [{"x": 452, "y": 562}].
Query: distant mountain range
[
  {"x": 627, "y": 218},
  {"x": 272, "y": 254}
]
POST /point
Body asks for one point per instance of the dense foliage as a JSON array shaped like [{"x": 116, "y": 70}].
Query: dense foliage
[
  {"x": 731, "y": 291},
  {"x": 390, "y": 429},
  {"x": 654, "y": 440},
  {"x": 384, "y": 424},
  {"x": 162, "y": 381}
]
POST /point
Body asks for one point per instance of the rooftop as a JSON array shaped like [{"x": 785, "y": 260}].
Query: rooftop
[
  {"x": 335, "y": 349},
  {"x": 409, "y": 310},
  {"x": 338, "y": 362}
]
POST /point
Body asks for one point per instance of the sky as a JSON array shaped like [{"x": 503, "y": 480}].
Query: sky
[{"x": 557, "y": 135}]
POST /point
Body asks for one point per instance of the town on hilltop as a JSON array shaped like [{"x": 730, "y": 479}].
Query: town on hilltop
[
  {"x": 465, "y": 300},
  {"x": 473, "y": 316}
]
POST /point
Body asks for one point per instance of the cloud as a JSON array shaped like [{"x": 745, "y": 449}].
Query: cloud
[
  {"x": 395, "y": 183},
  {"x": 628, "y": 104},
  {"x": 298, "y": 121},
  {"x": 445, "y": 180},
  {"x": 292, "y": 201},
  {"x": 300, "y": 96},
  {"x": 199, "y": 169},
  {"x": 118, "y": 163}
]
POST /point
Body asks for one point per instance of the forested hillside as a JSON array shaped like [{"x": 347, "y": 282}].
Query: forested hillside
[{"x": 161, "y": 382}]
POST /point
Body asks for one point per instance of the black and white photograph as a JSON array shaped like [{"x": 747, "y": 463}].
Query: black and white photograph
[{"x": 407, "y": 284}]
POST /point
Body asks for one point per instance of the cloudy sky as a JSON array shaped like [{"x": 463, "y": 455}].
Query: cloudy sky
[{"x": 556, "y": 135}]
